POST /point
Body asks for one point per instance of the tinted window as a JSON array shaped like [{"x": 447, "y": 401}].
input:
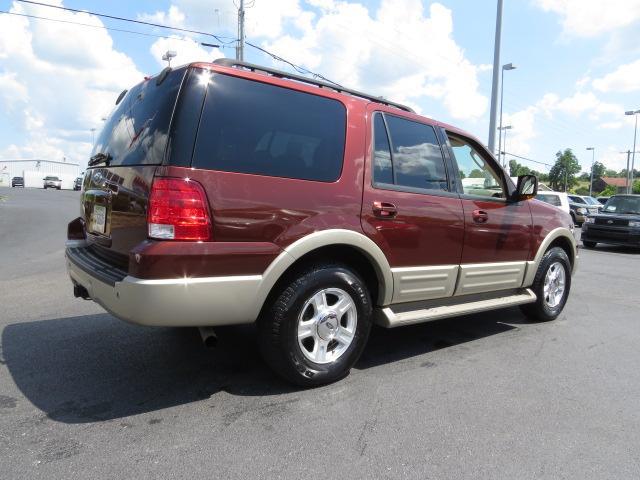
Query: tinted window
[
  {"x": 416, "y": 155},
  {"x": 136, "y": 132},
  {"x": 252, "y": 127},
  {"x": 622, "y": 204},
  {"x": 382, "y": 168}
]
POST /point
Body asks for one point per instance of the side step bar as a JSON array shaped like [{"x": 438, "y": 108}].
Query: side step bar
[{"x": 388, "y": 318}]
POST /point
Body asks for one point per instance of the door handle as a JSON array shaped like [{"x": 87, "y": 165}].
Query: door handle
[
  {"x": 384, "y": 209},
  {"x": 480, "y": 216}
]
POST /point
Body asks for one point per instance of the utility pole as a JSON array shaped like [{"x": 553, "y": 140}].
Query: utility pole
[
  {"x": 496, "y": 78},
  {"x": 240, "y": 42},
  {"x": 593, "y": 158},
  {"x": 627, "y": 177}
]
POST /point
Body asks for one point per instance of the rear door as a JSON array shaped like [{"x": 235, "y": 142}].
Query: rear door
[
  {"x": 498, "y": 232},
  {"x": 409, "y": 209},
  {"x": 127, "y": 152}
]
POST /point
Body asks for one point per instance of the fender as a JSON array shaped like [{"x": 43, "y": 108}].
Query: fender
[
  {"x": 532, "y": 266},
  {"x": 321, "y": 239}
]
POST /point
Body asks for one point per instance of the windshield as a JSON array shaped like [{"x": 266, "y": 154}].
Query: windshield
[
  {"x": 52, "y": 178},
  {"x": 591, "y": 201},
  {"x": 136, "y": 132},
  {"x": 628, "y": 205}
]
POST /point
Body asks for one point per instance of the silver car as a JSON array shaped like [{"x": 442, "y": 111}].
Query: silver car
[{"x": 52, "y": 182}]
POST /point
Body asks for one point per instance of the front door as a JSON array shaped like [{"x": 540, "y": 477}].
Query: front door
[
  {"x": 409, "y": 208},
  {"x": 498, "y": 231}
]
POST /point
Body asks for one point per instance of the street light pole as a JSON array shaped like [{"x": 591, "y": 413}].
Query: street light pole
[
  {"x": 93, "y": 136},
  {"x": 633, "y": 155},
  {"x": 593, "y": 156},
  {"x": 502, "y": 148},
  {"x": 508, "y": 66},
  {"x": 496, "y": 77}
]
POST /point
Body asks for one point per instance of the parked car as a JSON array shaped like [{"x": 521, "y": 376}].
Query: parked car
[
  {"x": 17, "y": 182},
  {"x": 77, "y": 184},
  {"x": 602, "y": 200},
  {"x": 557, "y": 199},
  {"x": 52, "y": 182},
  {"x": 618, "y": 224},
  {"x": 591, "y": 204},
  {"x": 579, "y": 213},
  {"x": 266, "y": 210}
]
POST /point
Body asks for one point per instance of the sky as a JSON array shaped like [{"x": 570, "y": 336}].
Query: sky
[{"x": 578, "y": 64}]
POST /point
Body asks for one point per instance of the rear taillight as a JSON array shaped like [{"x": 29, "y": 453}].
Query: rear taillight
[{"x": 178, "y": 210}]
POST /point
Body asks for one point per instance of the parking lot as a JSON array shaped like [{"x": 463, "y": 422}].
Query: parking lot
[{"x": 83, "y": 395}]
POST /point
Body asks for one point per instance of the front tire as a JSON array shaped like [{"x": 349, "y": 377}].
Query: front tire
[
  {"x": 551, "y": 285},
  {"x": 316, "y": 327}
]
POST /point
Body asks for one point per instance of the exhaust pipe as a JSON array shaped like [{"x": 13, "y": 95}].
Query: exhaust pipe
[
  {"x": 209, "y": 337},
  {"x": 80, "y": 292}
]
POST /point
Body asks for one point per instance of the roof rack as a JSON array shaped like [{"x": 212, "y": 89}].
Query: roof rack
[{"x": 229, "y": 62}]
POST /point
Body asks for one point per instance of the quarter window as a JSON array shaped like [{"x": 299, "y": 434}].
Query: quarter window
[
  {"x": 253, "y": 127},
  {"x": 382, "y": 167}
]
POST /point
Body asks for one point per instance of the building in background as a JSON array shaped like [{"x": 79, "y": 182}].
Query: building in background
[
  {"x": 601, "y": 183},
  {"x": 34, "y": 171}
]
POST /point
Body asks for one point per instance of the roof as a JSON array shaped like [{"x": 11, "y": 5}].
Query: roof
[{"x": 615, "y": 181}]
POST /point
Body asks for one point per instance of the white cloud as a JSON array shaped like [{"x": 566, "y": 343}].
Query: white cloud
[
  {"x": 626, "y": 78},
  {"x": 174, "y": 17},
  {"x": 385, "y": 55},
  {"x": 65, "y": 78},
  {"x": 186, "y": 48},
  {"x": 589, "y": 18},
  {"x": 581, "y": 103}
]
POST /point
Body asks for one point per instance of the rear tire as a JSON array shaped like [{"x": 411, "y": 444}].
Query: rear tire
[
  {"x": 551, "y": 285},
  {"x": 588, "y": 244},
  {"x": 316, "y": 327}
]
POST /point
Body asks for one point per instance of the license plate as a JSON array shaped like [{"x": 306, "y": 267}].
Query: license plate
[{"x": 98, "y": 218}]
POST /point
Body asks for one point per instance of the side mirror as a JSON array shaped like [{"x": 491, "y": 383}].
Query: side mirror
[{"x": 527, "y": 187}]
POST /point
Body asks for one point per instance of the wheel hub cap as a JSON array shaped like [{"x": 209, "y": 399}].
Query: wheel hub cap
[
  {"x": 327, "y": 325},
  {"x": 554, "y": 285}
]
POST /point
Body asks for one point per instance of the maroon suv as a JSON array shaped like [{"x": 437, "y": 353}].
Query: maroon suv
[{"x": 226, "y": 193}]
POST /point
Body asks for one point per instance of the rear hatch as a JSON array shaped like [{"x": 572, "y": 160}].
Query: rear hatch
[{"x": 125, "y": 156}]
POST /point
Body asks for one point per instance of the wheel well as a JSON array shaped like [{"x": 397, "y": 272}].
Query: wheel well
[
  {"x": 566, "y": 245},
  {"x": 344, "y": 254}
]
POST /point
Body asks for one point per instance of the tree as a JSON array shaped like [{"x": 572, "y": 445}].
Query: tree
[
  {"x": 598, "y": 170},
  {"x": 608, "y": 191},
  {"x": 476, "y": 173},
  {"x": 610, "y": 173},
  {"x": 516, "y": 169},
  {"x": 563, "y": 173},
  {"x": 636, "y": 187}
]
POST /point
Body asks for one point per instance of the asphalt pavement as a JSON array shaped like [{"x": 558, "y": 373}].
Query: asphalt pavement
[{"x": 488, "y": 396}]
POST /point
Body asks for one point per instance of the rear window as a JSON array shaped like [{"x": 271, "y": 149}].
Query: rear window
[
  {"x": 136, "y": 132},
  {"x": 52, "y": 178},
  {"x": 551, "y": 199},
  {"x": 257, "y": 128}
]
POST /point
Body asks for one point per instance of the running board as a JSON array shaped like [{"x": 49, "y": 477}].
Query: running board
[{"x": 386, "y": 317}]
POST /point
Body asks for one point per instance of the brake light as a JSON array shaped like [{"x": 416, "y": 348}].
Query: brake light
[{"x": 178, "y": 210}]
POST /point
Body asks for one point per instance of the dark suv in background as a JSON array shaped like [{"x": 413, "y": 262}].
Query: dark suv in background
[
  {"x": 227, "y": 193},
  {"x": 17, "y": 182},
  {"x": 617, "y": 224}
]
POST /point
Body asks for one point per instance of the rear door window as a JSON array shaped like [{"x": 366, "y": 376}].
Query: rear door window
[
  {"x": 257, "y": 128},
  {"x": 550, "y": 199},
  {"x": 137, "y": 130},
  {"x": 407, "y": 154}
]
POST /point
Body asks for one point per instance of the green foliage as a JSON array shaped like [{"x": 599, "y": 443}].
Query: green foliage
[
  {"x": 610, "y": 173},
  {"x": 462, "y": 175},
  {"x": 607, "y": 192},
  {"x": 598, "y": 169},
  {"x": 581, "y": 191},
  {"x": 636, "y": 187},
  {"x": 476, "y": 173},
  {"x": 563, "y": 173}
]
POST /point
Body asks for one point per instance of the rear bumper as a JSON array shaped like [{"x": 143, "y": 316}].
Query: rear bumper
[{"x": 208, "y": 301}]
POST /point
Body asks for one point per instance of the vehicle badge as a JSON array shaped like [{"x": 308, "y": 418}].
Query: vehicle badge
[
  {"x": 97, "y": 177},
  {"x": 609, "y": 222}
]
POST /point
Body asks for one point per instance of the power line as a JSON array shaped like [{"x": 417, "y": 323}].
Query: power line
[
  {"x": 92, "y": 26},
  {"x": 123, "y": 19},
  {"x": 528, "y": 159}
]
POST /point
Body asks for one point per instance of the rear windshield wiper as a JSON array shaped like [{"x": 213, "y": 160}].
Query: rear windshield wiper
[{"x": 99, "y": 158}]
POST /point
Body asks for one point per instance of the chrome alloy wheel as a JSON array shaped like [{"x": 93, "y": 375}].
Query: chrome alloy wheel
[
  {"x": 327, "y": 325},
  {"x": 554, "y": 285}
]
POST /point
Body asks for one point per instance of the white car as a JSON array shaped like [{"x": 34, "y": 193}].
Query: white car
[{"x": 558, "y": 199}]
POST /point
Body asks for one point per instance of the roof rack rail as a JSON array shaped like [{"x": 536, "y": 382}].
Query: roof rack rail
[{"x": 229, "y": 62}]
